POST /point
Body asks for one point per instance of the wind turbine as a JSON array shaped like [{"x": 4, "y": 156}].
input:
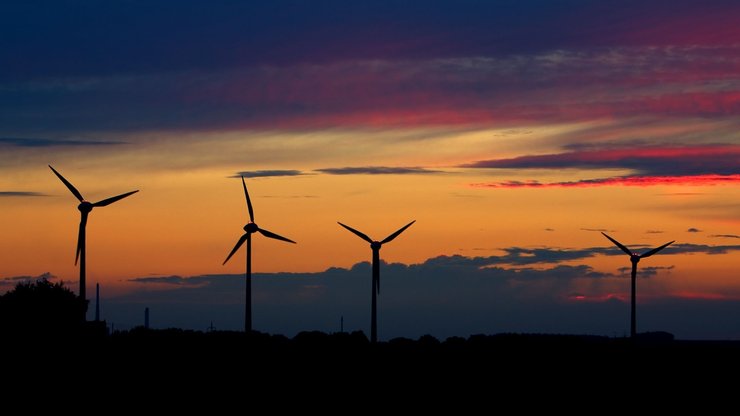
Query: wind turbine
[
  {"x": 250, "y": 229},
  {"x": 635, "y": 258},
  {"x": 375, "y": 246},
  {"x": 85, "y": 207}
]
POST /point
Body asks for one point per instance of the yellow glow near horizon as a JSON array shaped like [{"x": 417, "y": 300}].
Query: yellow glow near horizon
[{"x": 189, "y": 213}]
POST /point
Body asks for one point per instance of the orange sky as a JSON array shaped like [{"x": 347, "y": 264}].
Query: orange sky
[
  {"x": 494, "y": 125},
  {"x": 184, "y": 221}
]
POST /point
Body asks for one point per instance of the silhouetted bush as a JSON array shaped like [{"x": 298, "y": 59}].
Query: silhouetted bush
[
  {"x": 428, "y": 341},
  {"x": 39, "y": 308}
]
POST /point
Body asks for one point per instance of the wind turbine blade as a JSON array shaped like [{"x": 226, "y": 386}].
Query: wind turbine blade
[
  {"x": 357, "y": 233},
  {"x": 113, "y": 199},
  {"x": 655, "y": 250},
  {"x": 236, "y": 247},
  {"x": 249, "y": 201},
  {"x": 618, "y": 244},
  {"x": 71, "y": 187},
  {"x": 394, "y": 235},
  {"x": 275, "y": 236},
  {"x": 81, "y": 235}
]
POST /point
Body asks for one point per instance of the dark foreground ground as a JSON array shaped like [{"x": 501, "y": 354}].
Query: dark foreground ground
[
  {"x": 173, "y": 347},
  {"x": 334, "y": 366}
]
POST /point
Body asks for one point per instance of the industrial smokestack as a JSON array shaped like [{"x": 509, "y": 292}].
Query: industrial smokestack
[
  {"x": 146, "y": 317},
  {"x": 97, "y": 302}
]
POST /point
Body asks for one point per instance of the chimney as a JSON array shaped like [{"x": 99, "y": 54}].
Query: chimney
[
  {"x": 146, "y": 317},
  {"x": 97, "y": 302}
]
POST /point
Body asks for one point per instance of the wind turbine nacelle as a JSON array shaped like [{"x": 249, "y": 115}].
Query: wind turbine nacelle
[
  {"x": 85, "y": 206},
  {"x": 375, "y": 245},
  {"x": 251, "y": 228},
  {"x": 635, "y": 258}
]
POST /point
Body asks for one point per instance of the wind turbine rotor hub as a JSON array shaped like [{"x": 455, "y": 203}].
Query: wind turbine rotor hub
[
  {"x": 251, "y": 228},
  {"x": 635, "y": 258},
  {"x": 85, "y": 206},
  {"x": 375, "y": 245}
]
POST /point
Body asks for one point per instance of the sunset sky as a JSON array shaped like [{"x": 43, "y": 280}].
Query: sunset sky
[{"x": 513, "y": 132}]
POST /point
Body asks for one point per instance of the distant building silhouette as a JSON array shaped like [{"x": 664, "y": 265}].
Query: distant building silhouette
[{"x": 97, "y": 302}]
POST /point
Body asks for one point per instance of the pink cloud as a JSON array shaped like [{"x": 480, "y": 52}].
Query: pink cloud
[
  {"x": 701, "y": 165},
  {"x": 697, "y": 180},
  {"x": 551, "y": 87},
  {"x": 703, "y": 295}
]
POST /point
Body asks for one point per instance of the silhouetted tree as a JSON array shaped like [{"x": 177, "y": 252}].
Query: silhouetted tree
[{"x": 41, "y": 307}]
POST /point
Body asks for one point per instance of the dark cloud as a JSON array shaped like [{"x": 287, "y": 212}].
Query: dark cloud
[
  {"x": 599, "y": 230},
  {"x": 693, "y": 230},
  {"x": 725, "y": 236},
  {"x": 525, "y": 256},
  {"x": 13, "y": 280},
  {"x": 170, "y": 280},
  {"x": 605, "y": 145},
  {"x": 696, "y": 180},
  {"x": 11, "y": 194},
  {"x": 648, "y": 271},
  {"x": 654, "y": 232},
  {"x": 301, "y": 65},
  {"x": 652, "y": 165},
  {"x": 518, "y": 291},
  {"x": 28, "y": 142},
  {"x": 50, "y": 39},
  {"x": 377, "y": 170},
  {"x": 395, "y": 93},
  {"x": 267, "y": 173},
  {"x": 649, "y": 161},
  {"x": 699, "y": 248},
  {"x": 514, "y": 264}
]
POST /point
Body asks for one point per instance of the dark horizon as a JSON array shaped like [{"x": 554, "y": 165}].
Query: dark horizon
[{"x": 415, "y": 302}]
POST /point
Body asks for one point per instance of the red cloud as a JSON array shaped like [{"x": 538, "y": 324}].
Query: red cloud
[
  {"x": 622, "y": 158},
  {"x": 703, "y": 296},
  {"x": 655, "y": 165},
  {"x": 697, "y": 180}
]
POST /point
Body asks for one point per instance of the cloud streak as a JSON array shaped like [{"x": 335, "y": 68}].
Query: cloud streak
[
  {"x": 378, "y": 170},
  {"x": 648, "y": 161},
  {"x": 641, "y": 181},
  {"x": 267, "y": 173},
  {"x": 169, "y": 280},
  {"x": 37, "y": 142},
  {"x": 648, "y": 271},
  {"x": 19, "y": 194},
  {"x": 653, "y": 165},
  {"x": 14, "y": 280},
  {"x": 534, "y": 88},
  {"x": 282, "y": 35}
]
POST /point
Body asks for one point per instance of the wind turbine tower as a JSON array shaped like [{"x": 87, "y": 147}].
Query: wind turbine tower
[
  {"x": 250, "y": 229},
  {"x": 634, "y": 259},
  {"x": 85, "y": 208},
  {"x": 375, "y": 247}
]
